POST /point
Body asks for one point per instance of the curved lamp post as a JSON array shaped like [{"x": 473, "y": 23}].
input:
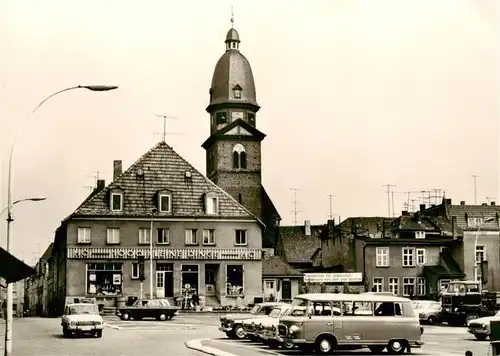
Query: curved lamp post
[
  {"x": 21, "y": 200},
  {"x": 8, "y": 327}
]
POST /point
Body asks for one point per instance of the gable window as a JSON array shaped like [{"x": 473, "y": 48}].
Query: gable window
[
  {"x": 116, "y": 201},
  {"x": 408, "y": 256},
  {"x": 394, "y": 285},
  {"x": 144, "y": 236},
  {"x": 221, "y": 117},
  {"x": 113, "y": 236},
  {"x": 408, "y": 286},
  {"x": 191, "y": 237},
  {"x": 378, "y": 284},
  {"x": 240, "y": 237},
  {"x": 208, "y": 237},
  {"x": 162, "y": 236},
  {"x": 84, "y": 235},
  {"x": 211, "y": 203},
  {"x": 382, "y": 257},
  {"x": 239, "y": 157},
  {"x": 421, "y": 286},
  {"x": 420, "y": 234},
  {"x": 164, "y": 202},
  {"x": 237, "y": 92},
  {"x": 421, "y": 256}
]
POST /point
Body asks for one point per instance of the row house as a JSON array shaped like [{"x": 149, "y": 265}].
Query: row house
[
  {"x": 160, "y": 218},
  {"x": 18, "y": 307},
  {"x": 481, "y": 238},
  {"x": 38, "y": 286},
  {"x": 411, "y": 256}
]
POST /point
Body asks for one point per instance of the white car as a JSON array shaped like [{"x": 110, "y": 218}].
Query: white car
[
  {"x": 428, "y": 311},
  {"x": 253, "y": 326},
  {"x": 480, "y": 327},
  {"x": 82, "y": 318}
]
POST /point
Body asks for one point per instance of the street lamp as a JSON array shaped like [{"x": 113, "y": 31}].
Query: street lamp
[
  {"x": 153, "y": 212},
  {"x": 475, "y": 245},
  {"x": 21, "y": 200},
  {"x": 8, "y": 326}
]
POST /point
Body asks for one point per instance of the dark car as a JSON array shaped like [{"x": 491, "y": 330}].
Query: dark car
[{"x": 159, "y": 309}]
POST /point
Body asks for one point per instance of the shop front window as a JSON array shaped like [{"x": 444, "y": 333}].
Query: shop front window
[
  {"x": 104, "y": 278},
  {"x": 234, "y": 282}
]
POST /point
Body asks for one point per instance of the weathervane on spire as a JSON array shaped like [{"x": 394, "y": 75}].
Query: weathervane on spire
[{"x": 232, "y": 17}]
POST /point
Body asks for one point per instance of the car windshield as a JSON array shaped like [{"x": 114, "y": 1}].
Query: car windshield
[
  {"x": 83, "y": 309},
  {"x": 298, "y": 307},
  {"x": 255, "y": 310},
  {"x": 275, "y": 313},
  {"x": 164, "y": 302},
  {"x": 463, "y": 288}
]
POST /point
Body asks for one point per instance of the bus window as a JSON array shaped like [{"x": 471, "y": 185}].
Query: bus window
[
  {"x": 388, "y": 309},
  {"x": 358, "y": 308}
]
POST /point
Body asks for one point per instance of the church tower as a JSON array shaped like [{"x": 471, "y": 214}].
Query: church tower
[{"x": 233, "y": 150}]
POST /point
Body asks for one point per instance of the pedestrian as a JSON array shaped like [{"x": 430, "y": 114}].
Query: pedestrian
[{"x": 195, "y": 299}]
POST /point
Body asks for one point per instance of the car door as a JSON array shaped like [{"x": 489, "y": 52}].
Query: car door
[{"x": 153, "y": 308}]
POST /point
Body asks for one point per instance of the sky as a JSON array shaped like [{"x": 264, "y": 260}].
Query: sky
[{"x": 354, "y": 94}]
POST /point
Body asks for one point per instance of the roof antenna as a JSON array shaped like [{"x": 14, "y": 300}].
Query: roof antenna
[{"x": 232, "y": 17}]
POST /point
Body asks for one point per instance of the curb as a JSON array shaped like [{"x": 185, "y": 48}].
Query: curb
[{"x": 196, "y": 344}]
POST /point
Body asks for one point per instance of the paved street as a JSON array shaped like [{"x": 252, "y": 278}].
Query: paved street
[{"x": 42, "y": 336}]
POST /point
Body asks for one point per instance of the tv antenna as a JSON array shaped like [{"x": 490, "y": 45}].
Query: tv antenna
[
  {"x": 164, "y": 133},
  {"x": 295, "y": 212},
  {"x": 389, "y": 190},
  {"x": 330, "y": 196},
  {"x": 475, "y": 186},
  {"x": 95, "y": 176}
]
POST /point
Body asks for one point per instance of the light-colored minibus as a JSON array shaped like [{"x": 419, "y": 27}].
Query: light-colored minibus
[{"x": 328, "y": 322}]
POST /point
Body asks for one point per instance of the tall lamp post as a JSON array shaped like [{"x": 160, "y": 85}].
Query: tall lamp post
[
  {"x": 475, "y": 247},
  {"x": 8, "y": 326},
  {"x": 153, "y": 212}
]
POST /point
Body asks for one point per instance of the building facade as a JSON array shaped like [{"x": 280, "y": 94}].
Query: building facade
[
  {"x": 280, "y": 280},
  {"x": 411, "y": 256},
  {"x": 18, "y": 307},
  {"x": 481, "y": 238},
  {"x": 233, "y": 149},
  {"x": 160, "y": 218}
]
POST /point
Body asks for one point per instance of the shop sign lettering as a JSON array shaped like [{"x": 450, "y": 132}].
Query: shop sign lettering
[{"x": 163, "y": 253}]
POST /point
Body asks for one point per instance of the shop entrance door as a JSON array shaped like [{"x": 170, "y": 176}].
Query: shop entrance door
[
  {"x": 190, "y": 276},
  {"x": 164, "y": 280},
  {"x": 286, "y": 290},
  {"x": 211, "y": 271}
]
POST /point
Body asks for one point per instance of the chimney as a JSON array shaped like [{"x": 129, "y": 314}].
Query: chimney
[
  {"x": 484, "y": 204},
  {"x": 454, "y": 226},
  {"x": 447, "y": 201},
  {"x": 117, "y": 168},
  {"x": 101, "y": 183},
  {"x": 422, "y": 208},
  {"x": 492, "y": 203},
  {"x": 404, "y": 213},
  {"x": 307, "y": 227},
  {"x": 331, "y": 227},
  {"x": 462, "y": 202}
]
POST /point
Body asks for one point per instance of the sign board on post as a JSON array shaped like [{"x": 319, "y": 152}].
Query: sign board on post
[{"x": 333, "y": 277}]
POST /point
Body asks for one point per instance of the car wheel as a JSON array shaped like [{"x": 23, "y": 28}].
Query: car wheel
[
  {"x": 162, "y": 317},
  {"x": 98, "y": 333},
  {"x": 396, "y": 347},
  {"x": 431, "y": 319},
  {"x": 376, "y": 349},
  {"x": 287, "y": 345},
  {"x": 481, "y": 337},
  {"x": 239, "y": 332},
  {"x": 125, "y": 316},
  {"x": 325, "y": 345}
]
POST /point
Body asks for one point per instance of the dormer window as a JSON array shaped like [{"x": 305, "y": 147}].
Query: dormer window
[
  {"x": 237, "y": 92},
  {"x": 211, "y": 203},
  {"x": 164, "y": 202},
  {"x": 116, "y": 201},
  {"x": 420, "y": 234}
]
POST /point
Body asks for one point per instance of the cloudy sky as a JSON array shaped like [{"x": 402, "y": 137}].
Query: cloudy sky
[{"x": 354, "y": 94}]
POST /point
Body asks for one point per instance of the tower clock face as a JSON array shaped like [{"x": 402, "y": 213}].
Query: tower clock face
[{"x": 235, "y": 115}]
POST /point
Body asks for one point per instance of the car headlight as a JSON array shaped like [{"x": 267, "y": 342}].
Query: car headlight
[
  {"x": 483, "y": 325},
  {"x": 274, "y": 327},
  {"x": 456, "y": 309},
  {"x": 294, "y": 329}
]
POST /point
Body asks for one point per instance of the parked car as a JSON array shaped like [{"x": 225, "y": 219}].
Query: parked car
[
  {"x": 480, "y": 327},
  {"x": 428, "y": 311},
  {"x": 82, "y": 318},
  {"x": 251, "y": 326},
  {"x": 159, "y": 309},
  {"x": 267, "y": 329},
  {"x": 232, "y": 324}
]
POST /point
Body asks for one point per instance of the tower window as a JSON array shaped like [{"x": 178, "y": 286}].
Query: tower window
[
  {"x": 251, "y": 118},
  {"x": 239, "y": 157},
  {"x": 221, "y": 117},
  {"x": 237, "y": 92}
]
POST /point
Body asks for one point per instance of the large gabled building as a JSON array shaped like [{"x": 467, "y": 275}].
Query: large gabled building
[{"x": 201, "y": 236}]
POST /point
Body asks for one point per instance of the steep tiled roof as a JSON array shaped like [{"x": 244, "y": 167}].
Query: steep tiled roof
[
  {"x": 474, "y": 211},
  {"x": 163, "y": 169},
  {"x": 275, "y": 266},
  {"x": 48, "y": 252},
  {"x": 299, "y": 247},
  {"x": 413, "y": 222},
  {"x": 372, "y": 226}
]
